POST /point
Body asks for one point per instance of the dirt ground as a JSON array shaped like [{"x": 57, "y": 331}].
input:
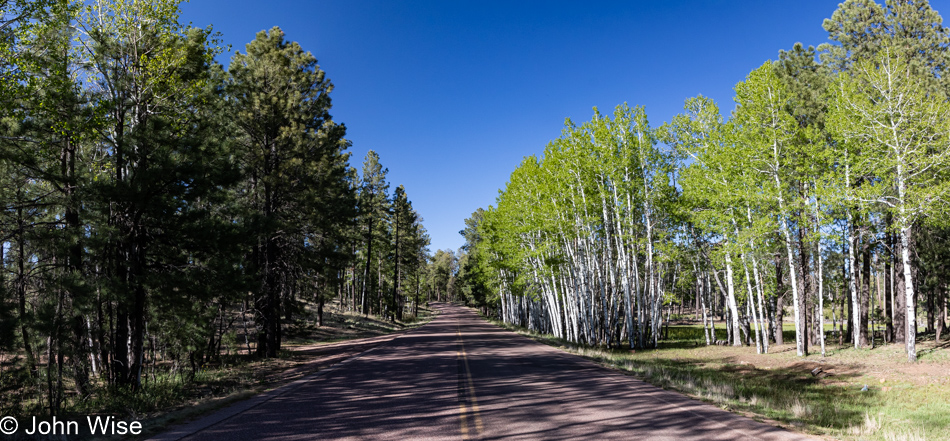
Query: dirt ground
[{"x": 876, "y": 366}]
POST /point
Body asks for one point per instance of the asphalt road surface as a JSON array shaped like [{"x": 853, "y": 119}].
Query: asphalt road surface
[{"x": 460, "y": 377}]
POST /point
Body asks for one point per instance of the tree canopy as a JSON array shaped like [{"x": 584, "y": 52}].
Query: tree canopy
[{"x": 835, "y": 154}]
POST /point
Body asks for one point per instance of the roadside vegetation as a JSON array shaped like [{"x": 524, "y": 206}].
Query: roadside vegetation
[
  {"x": 816, "y": 395},
  {"x": 171, "y": 398}
]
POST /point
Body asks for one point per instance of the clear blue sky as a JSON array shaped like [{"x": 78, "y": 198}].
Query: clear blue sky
[{"x": 453, "y": 94}]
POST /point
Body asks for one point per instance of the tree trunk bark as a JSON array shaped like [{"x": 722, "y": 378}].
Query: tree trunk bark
[
  {"x": 779, "y": 302},
  {"x": 701, "y": 298},
  {"x": 120, "y": 359},
  {"x": 855, "y": 311},
  {"x": 820, "y": 310},
  {"x": 801, "y": 347},
  {"x": 931, "y": 305},
  {"x": 888, "y": 286},
  {"x": 137, "y": 320},
  {"x": 21, "y": 296},
  {"x": 729, "y": 294},
  {"x": 865, "y": 292},
  {"x": 900, "y": 300},
  {"x": 911, "y": 313},
  {"x": 397, "y": 311},
  {"x": 806, "y": 288},
  {"x": 364, "y": 302},
  {"x": 941, "y": 312}
]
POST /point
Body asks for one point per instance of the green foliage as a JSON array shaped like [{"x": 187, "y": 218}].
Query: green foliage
[
  {"x": 862, "y": 29},
  {"x": 600, "y": 224},
  {"x": 151, "y": 201},
  {"x": 296, "y": 195},
  {"x": 897, "y": 127},
  {"x": 603, "y": 190},
  {"x": 475, "y": 274}
]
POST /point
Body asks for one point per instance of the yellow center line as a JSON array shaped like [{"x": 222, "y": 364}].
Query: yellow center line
[
  {"x": 471, "y": 391},
  {"x": 462, "y": 412}
]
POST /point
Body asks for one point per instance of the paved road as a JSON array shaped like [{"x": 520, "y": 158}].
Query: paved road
[{"x": 459, "y": 377}]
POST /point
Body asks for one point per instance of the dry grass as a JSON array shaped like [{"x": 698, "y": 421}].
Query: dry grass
[
  {"x": 905, "y": 435},
  {"x": 799, "y": 409},
  {"x": 870, "y": 426}
]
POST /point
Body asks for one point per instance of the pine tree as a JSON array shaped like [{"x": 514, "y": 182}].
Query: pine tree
[
  {"x": 810, "y": 165},
  {"x": 52, "y": 154},
  {"x": 156, "y": 81},
  {"x": 404, "y": 221},
  {"x": 374, "y": 209},
  {"x": 861, "y": 29},
  {"x": 293, "y": 165}
]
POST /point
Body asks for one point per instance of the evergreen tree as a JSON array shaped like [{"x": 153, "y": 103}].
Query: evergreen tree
[
  {"x": 294, "y": 168},
  {"x": 144, "y": 192},
  {"x": 404, "y": 222},
  {"x": 374, "y": 209},
  {"x": 473, "y": 277},
  {"x": 51, "y": 153},
  {"x": 860, "y": 29},
  {"x": 810, "y": 165},
  {"x": 416, "y": 259}
]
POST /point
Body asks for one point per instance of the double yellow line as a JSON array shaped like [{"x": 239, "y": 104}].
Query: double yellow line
[{"x": 463, "y": 409}]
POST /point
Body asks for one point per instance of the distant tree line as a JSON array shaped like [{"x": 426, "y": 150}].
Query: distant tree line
[
  {"x": 152, "y": 200},
  {"x": 825, "y": 191}
]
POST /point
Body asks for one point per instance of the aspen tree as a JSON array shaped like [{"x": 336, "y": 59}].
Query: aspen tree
[
  {"x": 767, "y": 129},
  {"x": 902, "y": 128},
  {"x": 698, "y": 134}
]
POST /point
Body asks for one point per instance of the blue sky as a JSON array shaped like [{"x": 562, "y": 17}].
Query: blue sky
[{"x": 453, "y": 94}]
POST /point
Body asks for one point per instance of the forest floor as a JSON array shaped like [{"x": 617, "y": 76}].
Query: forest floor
[
  {"x": 848, "y": 394},
  {"x": 306, "y": 349},
  {"x": 169, "y": 399}
]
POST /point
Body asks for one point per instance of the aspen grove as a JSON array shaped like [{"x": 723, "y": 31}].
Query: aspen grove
[{"x": 825, "y": 190}]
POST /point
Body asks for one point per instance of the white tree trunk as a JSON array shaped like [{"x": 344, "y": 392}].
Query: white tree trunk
[
  {"x": 731, "y": 300},
  {"x": 820, "y": 315},
  {"x": 910, "y": 312},
  {"x": 712, "y": 308},
  {"x": 799, "y": 335},
  {"x": 700, "y": 286},
  {"x": 756, "y": 327}
]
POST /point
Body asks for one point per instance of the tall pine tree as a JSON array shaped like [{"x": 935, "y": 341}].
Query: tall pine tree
[{"x": 293, "y": 163}]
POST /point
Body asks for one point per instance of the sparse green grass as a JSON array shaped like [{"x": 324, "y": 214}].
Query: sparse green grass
[{"x": 780, "y": 387}]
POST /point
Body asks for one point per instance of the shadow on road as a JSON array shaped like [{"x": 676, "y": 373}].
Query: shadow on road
[{"x": 411, "y": 388}]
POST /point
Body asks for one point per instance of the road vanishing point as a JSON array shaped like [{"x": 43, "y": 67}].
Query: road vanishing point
[{"x": 460, "y": 377}]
